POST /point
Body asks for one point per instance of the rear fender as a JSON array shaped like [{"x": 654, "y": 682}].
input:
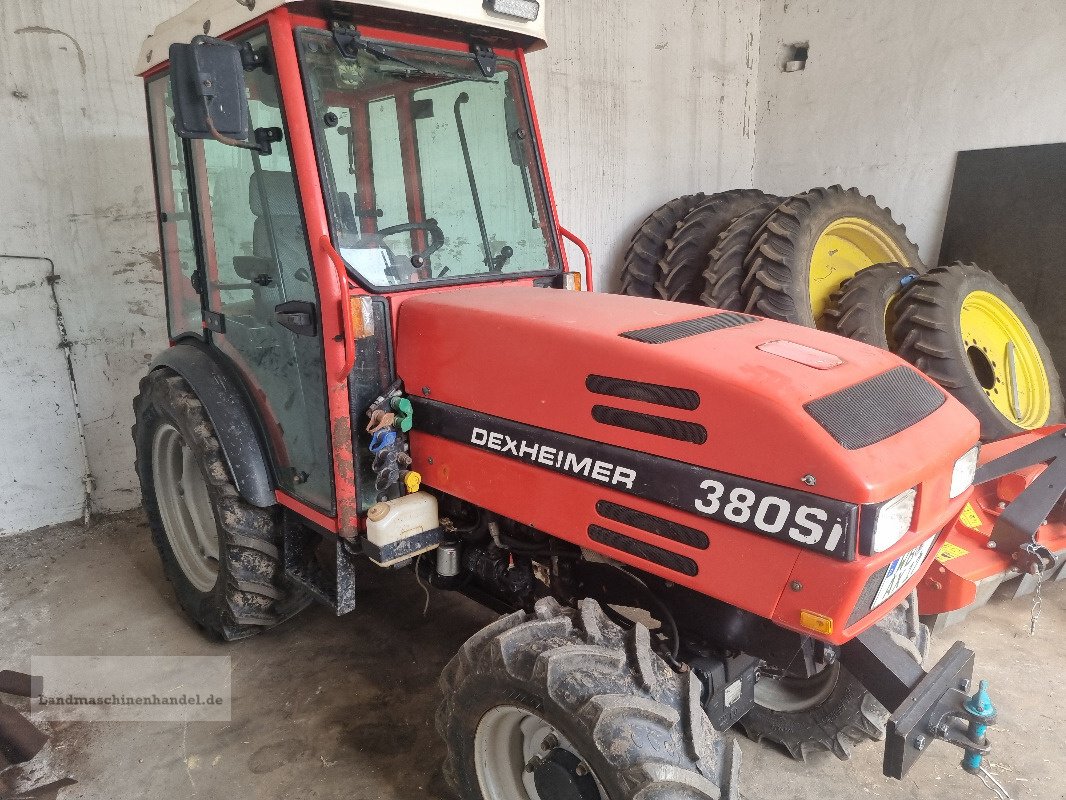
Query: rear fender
[{"x": 235, "y": 424}]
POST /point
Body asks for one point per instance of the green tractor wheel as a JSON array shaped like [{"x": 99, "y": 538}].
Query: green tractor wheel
[
  {"x": 813, "y": 243},
  {"x": 969, "y": 333}
]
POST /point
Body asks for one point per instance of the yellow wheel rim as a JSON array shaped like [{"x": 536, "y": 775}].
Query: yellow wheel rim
[
  {"x": 1005, "y": 360},
  {"x": 846, "y": 246}
]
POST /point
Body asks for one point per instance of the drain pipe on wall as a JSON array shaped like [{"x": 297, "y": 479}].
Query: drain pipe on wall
[{"x": 88, "y": 481}]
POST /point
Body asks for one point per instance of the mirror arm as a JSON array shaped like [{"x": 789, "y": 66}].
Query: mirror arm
[{"x": 264, "y": 137}]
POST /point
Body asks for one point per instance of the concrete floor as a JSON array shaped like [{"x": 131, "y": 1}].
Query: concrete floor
[{"x": 328, "y": 708}]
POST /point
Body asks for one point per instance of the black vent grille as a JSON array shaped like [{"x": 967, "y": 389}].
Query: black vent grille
[
  {"x": 673, "y": 331},
  {"x": 671, "y": 396},
  {"x": 643, "y": 550},
  {"x": 875, "y": 409},
  {"x": 652, "y": 524},
  {"x": 866, "y": 599},
  {"x": 648, "y": 423}
]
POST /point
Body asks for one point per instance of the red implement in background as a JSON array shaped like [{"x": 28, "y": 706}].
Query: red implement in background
[{"x": 1012, "y": 533}]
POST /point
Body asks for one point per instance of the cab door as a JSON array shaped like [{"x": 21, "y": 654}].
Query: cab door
[{"x": 262, "y": 306}]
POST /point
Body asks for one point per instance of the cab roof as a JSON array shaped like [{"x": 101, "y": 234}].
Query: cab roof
[{"x": 225, "y": 15}]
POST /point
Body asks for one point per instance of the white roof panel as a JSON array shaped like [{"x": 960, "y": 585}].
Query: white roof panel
[{"x": 225, "y": 15}]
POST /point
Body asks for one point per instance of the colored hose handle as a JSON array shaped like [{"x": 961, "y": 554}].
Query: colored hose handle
[
  {"x": 584, "y": 252},
  {"x": 346, "y": 311}
]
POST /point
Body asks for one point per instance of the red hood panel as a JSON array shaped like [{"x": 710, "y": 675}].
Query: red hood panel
[{"x": 525, "y": 354}]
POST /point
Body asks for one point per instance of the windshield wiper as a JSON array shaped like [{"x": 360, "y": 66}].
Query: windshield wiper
[{"x": 349, "y": 42}]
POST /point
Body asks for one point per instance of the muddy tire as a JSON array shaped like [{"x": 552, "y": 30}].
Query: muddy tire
[
  {"x": 688, "y": 250},
  {"x": 221, "y": 554},
  {"x": 831, "y": 711},
  {"x": 725, "y": 267},
  {"x": 811, "y": 244},
  {"x": 603, "y": 697},
  {"x": 863, "y": 308},
  {"x": 640, "y": 269},
  {"x": 954, "y": 324}
]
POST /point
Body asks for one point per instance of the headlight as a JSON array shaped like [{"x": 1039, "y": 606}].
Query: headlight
[
  {"x": 893, "y": 521},
  {"x": 522, "y": 9},
  {"x": 963, "y": 473}
]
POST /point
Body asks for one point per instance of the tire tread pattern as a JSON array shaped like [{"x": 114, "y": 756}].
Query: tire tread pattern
[
  {"x": 645, "y": 721},
  {"x": 777, "y": 267}
]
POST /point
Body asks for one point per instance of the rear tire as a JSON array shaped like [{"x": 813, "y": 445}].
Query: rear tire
[
  {"x": 640, "y": 269},
  {"x": 220, "y": 553},
  {"x": 975, "y": 367},
  {"x": 813, "y": 243},
  {"x": 725, "y": 269},
  {"x": 863, "y": 308},
  {"x": 688, "y": 250},
  {"x": 637, "y": 726},
  {"x": 831, "y": 711}
]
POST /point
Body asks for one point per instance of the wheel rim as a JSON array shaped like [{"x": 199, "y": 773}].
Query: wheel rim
[
  {"x": 846, "y": 246},
  {"x": 185, "y": 507},
  {"x": 508, "y": 740},
  {"x": 789, "y": 694},
  {"x": 1005, "y": 360}
]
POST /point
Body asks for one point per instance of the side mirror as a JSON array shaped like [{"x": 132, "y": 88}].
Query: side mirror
[{"x": 210, "y": 91}]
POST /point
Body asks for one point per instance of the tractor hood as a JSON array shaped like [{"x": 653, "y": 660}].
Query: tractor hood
[{"x": 761, "y": 399}]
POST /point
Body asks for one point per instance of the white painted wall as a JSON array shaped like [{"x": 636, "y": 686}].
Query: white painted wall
[
  {"x": 892, "y": 91},
  {"x": 76, "y": 189},
  {"x": 639, "y": 102}
]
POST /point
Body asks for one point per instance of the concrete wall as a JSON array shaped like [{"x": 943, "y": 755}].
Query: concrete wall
[
  {"x": 642, "y": 102},
  {"x": 891, "y": 92},
  {"x": 76, "y": 189},
  {"x": 639, "y": 103}
]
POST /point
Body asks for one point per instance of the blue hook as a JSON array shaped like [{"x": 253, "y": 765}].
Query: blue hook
[{"x": 382, "y": 440}]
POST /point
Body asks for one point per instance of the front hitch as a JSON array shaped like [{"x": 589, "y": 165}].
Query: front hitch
[{"x": 924, "y": 705}]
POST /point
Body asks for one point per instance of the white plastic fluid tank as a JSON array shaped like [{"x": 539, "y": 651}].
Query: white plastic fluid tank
[{"x": 402, "y": 528}]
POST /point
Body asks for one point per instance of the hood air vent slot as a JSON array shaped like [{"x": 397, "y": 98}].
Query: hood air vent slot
[
  {"x": 647, "y": 423},
  {"x": 671, "y": 332},
  {"x": 674, "y": 531},
  {"x": 643, "y": 550},
  {"x": 877, "y": 408},
  {"x": 685, "y": 399}
]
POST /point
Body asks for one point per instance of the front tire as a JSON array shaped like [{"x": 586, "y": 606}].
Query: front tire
[
  {"x": 832, "y": 710},
  {"x": 588, "y": 707},
  {"x": 220, "y": 553}
]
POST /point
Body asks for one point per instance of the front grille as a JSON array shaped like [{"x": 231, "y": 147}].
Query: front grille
[
  {"x": 652, "y": 524},
  {"x": 643, "y": 550},
  {"x": 647, "y": 423},
  {"x": 671, "y": 332},
  {"x": 877, "y": 408},
  {"x": 671, "y": 396}
]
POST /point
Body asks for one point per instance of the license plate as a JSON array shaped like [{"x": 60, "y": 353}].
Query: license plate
[{"x": 902, "y": 570}]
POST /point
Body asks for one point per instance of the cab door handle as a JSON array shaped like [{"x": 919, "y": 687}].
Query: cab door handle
[{"x": 298, "y": 316}]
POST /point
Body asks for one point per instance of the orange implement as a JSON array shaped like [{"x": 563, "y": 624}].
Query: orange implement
[{"x": 973, "y": 563}]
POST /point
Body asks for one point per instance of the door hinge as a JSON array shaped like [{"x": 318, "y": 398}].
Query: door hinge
[
  {"x": 215, "y": 322},
  {"x": 485, "y": 57}
]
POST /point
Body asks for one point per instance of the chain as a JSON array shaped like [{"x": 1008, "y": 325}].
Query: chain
[
  {"x": 990, "y": 782},
  {"x": 1037, "y": 600}
]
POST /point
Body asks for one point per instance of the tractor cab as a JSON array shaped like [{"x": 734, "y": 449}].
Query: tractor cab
[{"x": 317, "y": 164}]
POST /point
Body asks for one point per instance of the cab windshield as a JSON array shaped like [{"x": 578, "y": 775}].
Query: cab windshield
[{"x": 429, "y": 167}]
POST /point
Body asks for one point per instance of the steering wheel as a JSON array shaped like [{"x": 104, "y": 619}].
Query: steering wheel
[{"x": 430, "y": 226}]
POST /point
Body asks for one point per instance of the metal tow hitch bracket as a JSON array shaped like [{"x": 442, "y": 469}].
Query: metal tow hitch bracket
[{"x": 928, "y": 705}]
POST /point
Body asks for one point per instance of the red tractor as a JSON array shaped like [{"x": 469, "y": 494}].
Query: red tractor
[{"x": 692, "y": 519}]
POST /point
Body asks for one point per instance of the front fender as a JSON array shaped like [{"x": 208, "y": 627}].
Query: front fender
[{"x": 235, "y": 424}]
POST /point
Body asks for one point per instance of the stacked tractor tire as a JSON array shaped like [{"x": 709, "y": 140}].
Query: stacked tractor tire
[{"x": 832, "y": 258}]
